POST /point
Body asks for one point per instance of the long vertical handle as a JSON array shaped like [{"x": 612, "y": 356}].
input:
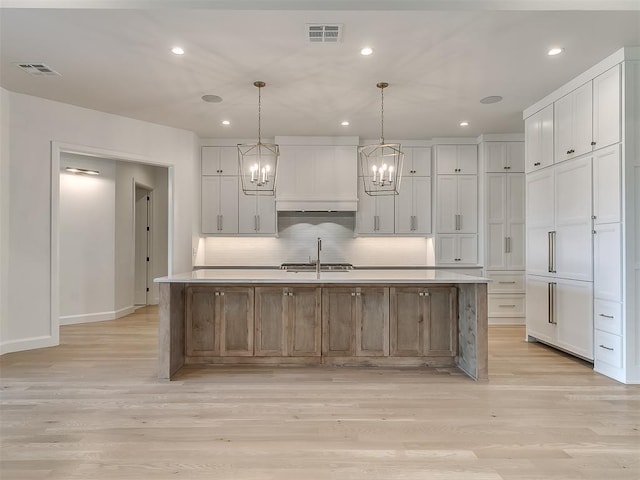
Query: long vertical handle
[
  {"x": 552, "y": 302},
  {"x": 549, "y": 303},
  {"x": 221, "y": 222},
  {"x": 553, "y": 252},
  {"x": 255, "y": 223},
  {"x": 550, "y": 252},
  {"x": 258, "y": 217},
  {"x": 506, "y": 244},
  {"x": 218, "y": 222}
]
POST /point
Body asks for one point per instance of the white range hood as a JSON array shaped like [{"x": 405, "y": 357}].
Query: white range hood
[{"x": 317, "y": 174}]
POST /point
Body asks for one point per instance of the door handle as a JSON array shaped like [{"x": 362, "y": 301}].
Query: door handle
[
  {"x": 552, "y": 303},
  {"x": 552, "y": 252}
]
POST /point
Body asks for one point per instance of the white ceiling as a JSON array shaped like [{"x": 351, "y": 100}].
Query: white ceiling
[{"x": 439, "y": 63}]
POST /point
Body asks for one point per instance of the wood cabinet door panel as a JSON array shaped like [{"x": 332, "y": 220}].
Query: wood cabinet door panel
[
  {"x": 270, "y": 331},
  {"x": 202, "y": 328},
  {"x": 372, "y": 331},
  {"x": 236, "y": 317},
  {"x": 407, "y": 322},
  {"x": 441, "y": 322},
  {"x": 304, "y": 322},
  {"x": 338, "y": 322}
]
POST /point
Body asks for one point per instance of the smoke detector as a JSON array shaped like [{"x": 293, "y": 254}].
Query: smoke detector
[
  {"x": 322, "y": 33},
  {"x": 37, "y": 69}
]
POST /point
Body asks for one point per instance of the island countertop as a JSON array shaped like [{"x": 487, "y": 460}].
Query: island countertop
[{"x": 386, "y": 276}]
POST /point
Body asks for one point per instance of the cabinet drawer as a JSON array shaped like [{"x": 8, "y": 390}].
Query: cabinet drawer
[
  {"x": 506, "y": 305},
  {"x": 506, "y": 282},
  {"x": 607, "y": 316},
  {"x": 608, "y": 349}
]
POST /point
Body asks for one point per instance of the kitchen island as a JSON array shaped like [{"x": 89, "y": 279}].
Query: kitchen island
[{"x": 385, "y": 317}]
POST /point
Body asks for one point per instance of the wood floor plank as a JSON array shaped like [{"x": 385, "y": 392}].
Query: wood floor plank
[{"x": 92, "y": 408}]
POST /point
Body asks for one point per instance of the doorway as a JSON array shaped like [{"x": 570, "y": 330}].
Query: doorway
[{"x": 143, "y": 244}]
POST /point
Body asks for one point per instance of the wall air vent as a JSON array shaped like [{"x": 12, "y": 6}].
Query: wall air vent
[
  {"x": 320, "y": 33},
  {"x": 37, "y": 69}
]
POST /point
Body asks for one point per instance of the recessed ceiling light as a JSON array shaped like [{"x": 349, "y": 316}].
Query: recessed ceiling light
[
  {"x": 464, "y": 124},
  {"x": 226, "y": 122},
  {"x": 345, "y": 123},
  {"x": 366, "y": 51},
  {"x": 212, "y": 98},
  {"x": 177, "y": 50},
  {"x": 491, "y": 99},
  {"x": 555, "y": 51}
]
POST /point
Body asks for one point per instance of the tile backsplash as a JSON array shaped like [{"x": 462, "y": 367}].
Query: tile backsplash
[{"x": 297, "y": 240}]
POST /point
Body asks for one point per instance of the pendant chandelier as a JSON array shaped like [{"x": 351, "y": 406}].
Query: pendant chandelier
[
  {"x": 258, "y": 162},
  {"x": 381, "y": 164}
]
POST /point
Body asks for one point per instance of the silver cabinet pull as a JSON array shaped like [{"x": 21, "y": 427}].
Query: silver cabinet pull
[
  {"x": 606, "y": 348},
  {"x": 512, "y": 282},
  {"x": 507, "y": 306},
  {"x": 508, "y": 244},
  {"x": 606, "y": 316},
  {"x": 458, "y": 220},
  {"x": 353, "y": 294},
  {"x": 258, "y": 217},
  {"x": 552, "y": 251},
  {"x": 255, "y": 223},
  {"x": 221, "y": 222},
  {"x": 291, "y": 294}
]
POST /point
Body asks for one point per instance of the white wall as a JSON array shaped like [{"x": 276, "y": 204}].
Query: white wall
[
  {"x": 35, "y": 123},
  {"x": 4, "y": 211},
  {"x": 87, "y": 231}
]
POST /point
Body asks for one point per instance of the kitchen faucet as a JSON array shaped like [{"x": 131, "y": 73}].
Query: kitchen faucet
[{"x": 318, "y": 258}]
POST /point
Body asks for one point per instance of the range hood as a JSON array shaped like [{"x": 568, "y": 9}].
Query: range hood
[{"x": 317, "y": 174}]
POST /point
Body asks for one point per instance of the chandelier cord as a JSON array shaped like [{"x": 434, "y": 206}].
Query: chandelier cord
[
  {"x": 382, "y": 116},
  {"x": 259, "y": 114}
]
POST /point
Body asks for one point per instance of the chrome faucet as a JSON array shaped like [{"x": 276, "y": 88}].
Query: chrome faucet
[{"x": 318, "y": 258}]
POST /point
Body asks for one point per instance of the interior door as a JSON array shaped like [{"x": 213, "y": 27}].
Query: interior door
[{"x": 142, "y": 245}]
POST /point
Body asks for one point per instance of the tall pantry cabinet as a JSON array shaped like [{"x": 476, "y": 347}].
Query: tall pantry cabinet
[{"x": 583, "y": 217}]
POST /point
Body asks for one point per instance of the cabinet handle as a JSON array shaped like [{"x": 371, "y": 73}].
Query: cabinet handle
[
  {"x": 552, "y": 252},
  {"x": 353, "y": 294},
  {"x": 537, "y": 164},
  {"x": 291, "y": 294},
  {"x": 508, "y": 244},
  {"x": 506, "y": 282},
  {"x": 606, "y": 348},
  {"x": 375, "y": 223},
  {"x": 507, "y": 306},
  {"x": 593, "y": 144},
  {"x": 217, "y": 294},
  {"x": 423, "y": 294},
  {"x": 552, "y": 303},
  {"x": 218, "y": 222},
  {"x": 258, "y": 218},
  {"x": 221, "y": 222},
  {"x": 606, "y": 316}
]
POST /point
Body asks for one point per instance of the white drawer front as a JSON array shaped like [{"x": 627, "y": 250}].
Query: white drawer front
[
  {"x": 607, "y": 316},
  {"x": 506, "y": 282},
  {"x": 608, "y": 349},
  {"x": 506, "y": 305}
]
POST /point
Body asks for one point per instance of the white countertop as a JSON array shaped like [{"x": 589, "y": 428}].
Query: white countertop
[{"x": 351, "y": 276}]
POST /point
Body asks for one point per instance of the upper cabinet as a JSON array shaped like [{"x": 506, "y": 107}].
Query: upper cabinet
[
  {"x": 219, "y": 161},
  {"x": 417, "y": 161},
  {"x": 504, "y": 157},
  {"x": 606, "y": 108},
  {"x": 456, "y": 159},
  {"x": 538, "y": 133},
  {"x": 572, "y": 123}
]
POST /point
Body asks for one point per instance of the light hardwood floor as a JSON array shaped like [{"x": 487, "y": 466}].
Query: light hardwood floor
[{"x": 93, "y": 409}]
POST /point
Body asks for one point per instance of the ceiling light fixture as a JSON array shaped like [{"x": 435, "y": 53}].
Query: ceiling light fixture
[
  {"x": 491, "y": 99},
  {"x": 177, "y": 51},
  {"x": 555, "y": 51},
  {"x": 381, "y": 164},
  {"x": 258, "y": 162},
  {"x": 82, "y": 171},
  {"x": 345, "y": 123},
  {"x": 464, "y": 123},
  {"x": 212, "y": 98},
  {"x": 366, "y": 51},
  {"x": 226, "y": 122}
]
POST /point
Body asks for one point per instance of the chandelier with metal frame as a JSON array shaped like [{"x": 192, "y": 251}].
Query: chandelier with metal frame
[
  {"x": 258, "y": 162},
  {"x": 381, "y": 164}
]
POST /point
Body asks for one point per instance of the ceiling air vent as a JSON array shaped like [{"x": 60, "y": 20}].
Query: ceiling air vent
[
  {"x": 319, "y": 33},
  {"x": 37, "y": 69}
]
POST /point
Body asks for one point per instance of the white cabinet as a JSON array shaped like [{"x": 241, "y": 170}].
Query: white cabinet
[
  {"x": 504, "y": 156},
  {"x": 504, "y": 208},
  {"x": 219, "y": 161},
  {"x": 606, "y": 185},
  {"x": 417, "y": 161},
  {"x": 538, "y": 132},
  {"x": 456, "y": 159},
  {"x": 457, "y": 249},
  {"x": 572, "y": 123},
  {"x": 560, "y": 312},
  {"x": 314, "y": 175},
  {"x": 375, "y": 214},
  {"x": 256, "y": 214},
  {"x": 607, "y": 255},
  {"x": 457, "y": 204},
  {"x": 606, "y": 108},
  {"x": 413, "y": 206},
  {"x": 219, "y": 207}
]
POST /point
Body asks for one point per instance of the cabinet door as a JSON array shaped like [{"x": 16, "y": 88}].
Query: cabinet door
[
  {"x": 573, "y": 303},
  {"x": 270, "y": 332},
  {"x": 304, "y": 321},
  {"x": 540, "y": 220},
  {"x": 446, "y": 159},
  {"x": 405, "y": 207},
  {"x": 385, "y": 213},
  {"x": 539, "y": 138},
  {"x": 495, "y": 156},
  {"x": 606, "y": 185},
  {"x": 515, "y": 157},
  {"x": 338, "y": 322},
  {"x": 202, "y": 325},
  {"x": 467, "y": 201},
  {"x": 538, "y": 318},
  {"x": 366, "y": 222},
  {"x": 563, "y": 127},
  {"x": 422, "y": 205},
  {"x": 441, "y": 322},
  {"x": 247, "y": 213},
  {"x": 228, "y": 205},
  {"x": 266, "y": 213},
  {"x": 515, "y": 222},
  {"x": 583, "y": 119},
  {"x": 447, "y": 203},
  {"x": 420, "y": 161},
  {"x": 229, "y": 161},
  {"x": 447, "y": 248},
  {"x": 210, "y": 161},
  {"x": 468, "y": 249},
  {"x": 372, "y": 321},
  {"x": 210, "y": 204},
  {"x": 607, "y": 258},
  {"x": 407, "y": 322},
  {"x": 496, "y": 208},
  {"x": 236, "y": 313},
  {"x": 573, "y": 238},
  {"x": 606, "y": 108},
  {"x": 467, "y": 159}
]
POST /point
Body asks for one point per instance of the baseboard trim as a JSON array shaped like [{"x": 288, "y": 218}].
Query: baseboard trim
[
  {"x": 32, "y": 343},
  {"x": 96, "y": 317}
]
